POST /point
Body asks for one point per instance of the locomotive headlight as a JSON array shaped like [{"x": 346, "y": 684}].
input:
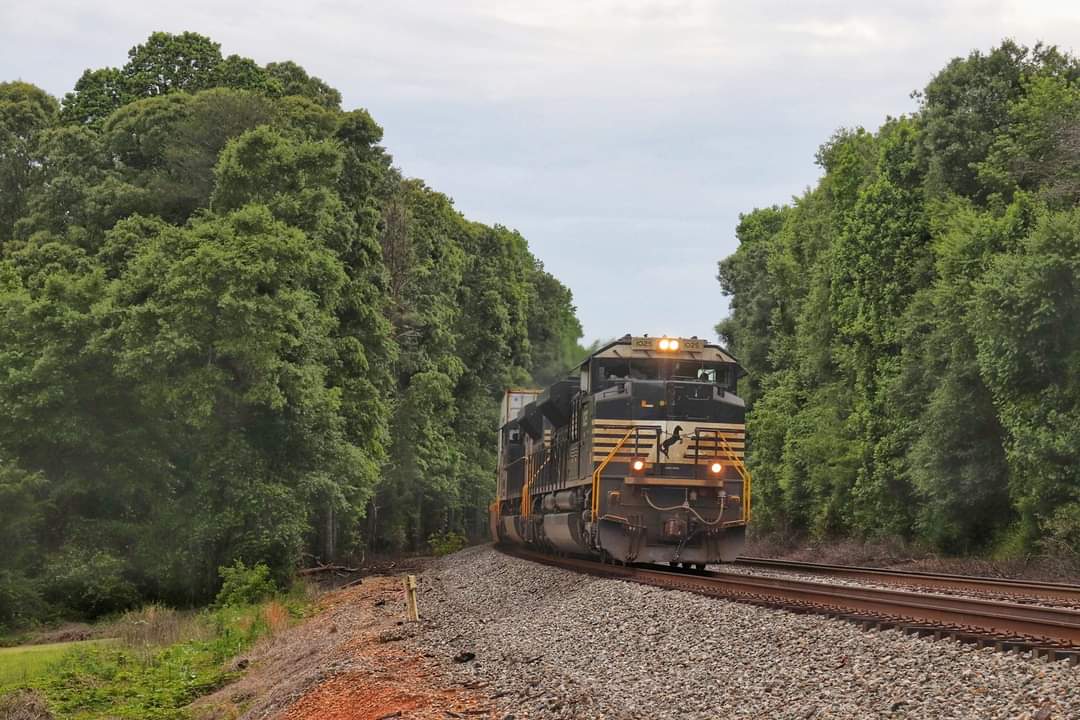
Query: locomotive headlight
[
  {"x": 673, "y": 345},
  {"x": 638, "y": 465},
  {"x": 716, "y": 468},
  {"x": 665, "y": 344}
]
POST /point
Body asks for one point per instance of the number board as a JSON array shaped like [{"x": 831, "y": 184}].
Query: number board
[{"x": 652, "y": 343}]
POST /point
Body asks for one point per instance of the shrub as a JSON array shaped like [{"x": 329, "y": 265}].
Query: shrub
[
  {"x": 88, "y": 583},
  {"x": 1062, "y": 532},
  {"x": 446, "y": 542},
  {"x": 20, "y": 601},
  {"x": 243, "y": 585},
  {"x": 1011, "y": 543}
]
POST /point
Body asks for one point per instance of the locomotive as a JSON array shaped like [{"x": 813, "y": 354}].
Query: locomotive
[{"x": 636, "y": 456}]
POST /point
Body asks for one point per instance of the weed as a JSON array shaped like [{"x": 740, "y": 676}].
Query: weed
[
  {"x": 158, "y": 625},
  {"x": 276, "y": 617},
  {"x": 24, "y": 705}
]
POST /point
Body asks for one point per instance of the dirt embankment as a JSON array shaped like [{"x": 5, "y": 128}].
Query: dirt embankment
[{"x": 344, "y": 663}]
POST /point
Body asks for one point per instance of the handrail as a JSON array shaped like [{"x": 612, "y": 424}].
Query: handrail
[
  {"x": 600, "y": 468},
  {"x": 744, "y": 473},
  {"x": 526, "y": 501}
]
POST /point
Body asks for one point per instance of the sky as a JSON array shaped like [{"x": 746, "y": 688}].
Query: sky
[{"x": 621, "y": 138}]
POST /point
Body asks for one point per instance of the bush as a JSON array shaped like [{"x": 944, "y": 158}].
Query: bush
[
  {"x": 1062, "y": 532},
  {"x": 242, "y": 585},
  {"x": 1012, "y": 543},
  {"x": 88, "y": 583},
  {"x": 446, "y": 542},
  {"x": 20, "y": 601}
]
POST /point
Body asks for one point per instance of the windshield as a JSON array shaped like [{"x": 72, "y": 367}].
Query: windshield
[{"x": 610, "y": 371}]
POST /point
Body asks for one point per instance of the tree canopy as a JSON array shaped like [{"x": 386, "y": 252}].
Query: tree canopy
[
  {"x": 910, "y": 323},
  {"x": 233, "y": 330}
]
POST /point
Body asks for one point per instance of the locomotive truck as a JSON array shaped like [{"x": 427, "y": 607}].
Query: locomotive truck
[{"x": 636, "y": 456}]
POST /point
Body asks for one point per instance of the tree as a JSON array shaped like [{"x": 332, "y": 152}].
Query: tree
[
  {"x": 25, "y": 113},
  {"x": 1026, "y": 309},
  {"x": 291, "y": 79},
  {"x": 96, "y": 95},
  {"x": 168, "y": 63}
]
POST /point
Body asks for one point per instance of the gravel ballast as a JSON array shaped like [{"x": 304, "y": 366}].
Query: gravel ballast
[{"x": 554, "y": 644}]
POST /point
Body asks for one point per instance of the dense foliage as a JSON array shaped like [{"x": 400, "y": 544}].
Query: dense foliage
[
  {"x": 911, "y": 325},
  {"x": 231, "y": 330}
]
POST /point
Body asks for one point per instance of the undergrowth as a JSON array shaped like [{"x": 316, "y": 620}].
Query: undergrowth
[
  {"x": 161, "y": 660},
  {"x": 446, "y": 542}
]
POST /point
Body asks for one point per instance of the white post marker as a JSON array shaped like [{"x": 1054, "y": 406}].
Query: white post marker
[{"x": 411, "y": 611}]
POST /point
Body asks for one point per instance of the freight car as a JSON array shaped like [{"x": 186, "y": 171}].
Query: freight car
[{"x": 637, "y": 456}]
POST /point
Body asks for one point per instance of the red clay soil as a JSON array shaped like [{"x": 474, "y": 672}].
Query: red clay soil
[
  {"x": 354, "y": 695},
  {"x": 346, "y": 663},
  {"x": 403, "y": 687}
]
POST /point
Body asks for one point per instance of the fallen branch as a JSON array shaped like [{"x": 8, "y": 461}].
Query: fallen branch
[{"x": 328, "y": 568}]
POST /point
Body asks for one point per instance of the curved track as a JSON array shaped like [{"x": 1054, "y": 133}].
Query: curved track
[
  {"x": 1051, "y": 632},
  {"x": 1019, "y": 590}
]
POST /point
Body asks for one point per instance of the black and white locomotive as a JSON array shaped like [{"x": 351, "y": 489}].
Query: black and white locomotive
[{"x": 637, "y": 456}]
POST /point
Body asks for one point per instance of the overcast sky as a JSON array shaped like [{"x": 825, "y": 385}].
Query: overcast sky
[{"x": 622, "y": 139}]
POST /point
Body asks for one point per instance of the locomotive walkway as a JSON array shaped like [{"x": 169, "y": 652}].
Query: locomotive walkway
[{"x": 1049, "y": 632}]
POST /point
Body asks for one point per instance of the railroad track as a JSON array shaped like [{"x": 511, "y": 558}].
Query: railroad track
[
  {"x": 1052, "y": 633},
  {"x": 1017, "y": 590}
]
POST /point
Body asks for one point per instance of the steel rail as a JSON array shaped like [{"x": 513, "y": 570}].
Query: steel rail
[
  {"x": 1049, "y": 629},
  {"x": 1003, "y": 586}
]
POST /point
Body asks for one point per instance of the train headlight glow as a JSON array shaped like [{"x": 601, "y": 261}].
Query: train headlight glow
[
  {"x": 638, "y": 465},
  {"x": 665, "y": 344},
  {"x": 673, "y": 345},
  {"x": 716, "y": 468}
]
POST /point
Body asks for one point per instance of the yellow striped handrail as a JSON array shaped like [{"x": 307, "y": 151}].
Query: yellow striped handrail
[
  {"x": 600, "y": 468},
  {"x": 526, "y": 504},
  {"x": 740, "y": 468}
]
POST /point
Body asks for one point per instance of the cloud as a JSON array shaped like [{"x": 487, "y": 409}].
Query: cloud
[{"x": 622, "y": 137}]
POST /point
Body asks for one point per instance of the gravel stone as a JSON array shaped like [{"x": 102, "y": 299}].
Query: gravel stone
[{"x": 549, "y": 643}]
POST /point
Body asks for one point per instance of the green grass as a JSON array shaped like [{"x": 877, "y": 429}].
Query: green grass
[{"x": 21, "y": 664}]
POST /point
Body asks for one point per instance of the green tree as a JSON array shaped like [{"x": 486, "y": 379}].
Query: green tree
[
  {"x": 167, "y": 63},
  {"x": 25, "y": 113},
  {"x": 1027, "y": 307}
]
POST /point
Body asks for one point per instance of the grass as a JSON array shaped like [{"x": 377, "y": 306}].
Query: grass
[
  {"x": 159, "y": 663},
  {"x": 22, "y": 664}
]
